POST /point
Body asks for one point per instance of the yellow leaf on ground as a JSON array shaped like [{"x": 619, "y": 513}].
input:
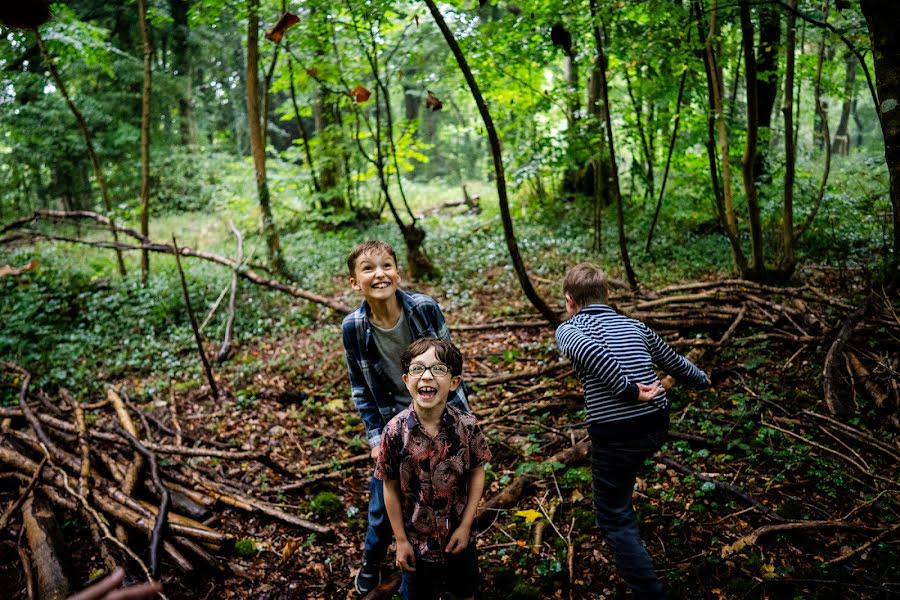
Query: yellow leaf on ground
[{"x": 530, "y": 515}]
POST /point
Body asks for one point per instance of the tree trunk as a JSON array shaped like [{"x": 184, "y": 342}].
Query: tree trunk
[
  {"x": 88, "y": 143},
  {"x": 883, "y": 20},
  {"x": 145, "y": 136},
  {"x": 511, "y": 244},
  {"x": 614, "y": 171},
  {"x": 257, "y": 147},
  {"x": 766, "y": 78},
  {"x": 748, "y": 162},
  {"x": 788, "y": 259},
  {"x": 841, "y": 143},
  {"x": 181, "y": 68},
  {"x": 715, "y": 89}
]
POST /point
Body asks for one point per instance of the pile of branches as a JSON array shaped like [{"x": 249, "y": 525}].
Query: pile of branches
[{"x": 94, "y": 461}]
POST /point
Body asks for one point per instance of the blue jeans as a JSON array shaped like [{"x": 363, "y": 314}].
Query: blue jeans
[
  {"x": 614, "y": 466},
  {"x": 378, "y": 534}
]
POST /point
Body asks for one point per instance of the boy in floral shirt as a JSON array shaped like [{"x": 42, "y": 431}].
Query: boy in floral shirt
[{"x": 432, "y": 464}]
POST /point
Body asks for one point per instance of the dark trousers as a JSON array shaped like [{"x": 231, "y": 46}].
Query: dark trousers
[
  {"x": 614, "y": 466},
  {"x": 378, "y": 534}
]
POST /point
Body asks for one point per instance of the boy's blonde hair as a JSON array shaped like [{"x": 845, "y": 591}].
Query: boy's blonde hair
[
  {"x": 365, "y": 248},
  {"x": 586, "y": 284}
]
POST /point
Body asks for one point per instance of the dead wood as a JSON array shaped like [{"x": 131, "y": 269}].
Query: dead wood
[
  {"x": 499, "y": 325},
  {"x": 133, "y": 471},
  {"x": 511, "y": 494},
  {"x": 892, "y": 452},
  {"x": 23, "y": 496},
  {"x": 508, "y": 377},
  {"x": 225, "y": 349},
  {"x": 145, "y": 243},
  {"x": 860, "y": 549},
  {"x": 27, "y": 571},
  {"x": 835, "y": 406},
  {"x": 160, "y": 524},
  {"x": 207, "y": 369},
  {"x": 864, "y": 377},
  {"x": 732, "y": 489},
  {"x": 44, "y": 543},
  {"x": 752, "y": 538}
]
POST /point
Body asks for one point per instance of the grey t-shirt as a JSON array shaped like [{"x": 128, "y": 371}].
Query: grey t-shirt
[{"x": 391, "y": 344}]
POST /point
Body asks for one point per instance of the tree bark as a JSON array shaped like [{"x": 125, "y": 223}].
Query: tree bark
[
  {"x": 511, "y": 244},
  {"x": 841, "y": 141},
  {"x": 788, "y": 259},
  {"x": 145, "y": 135},
  {"x": 766, "y": 78},
  {"x": 181, "y": 67},
  {"x": 883, "y": 20},
  {"x": 614, "y": 171},
  {"x": 257, "y": 140},
  {"x": 748, "y": 162}
]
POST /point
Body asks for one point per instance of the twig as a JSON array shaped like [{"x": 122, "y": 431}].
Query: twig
[
  {"x": 187, "y": 304},
  {"x": 860, "y": 549},
  {"x": 229, "y": 324},
  {"x": 4, "y": 520},
  {"x": 161, "y": 516}
]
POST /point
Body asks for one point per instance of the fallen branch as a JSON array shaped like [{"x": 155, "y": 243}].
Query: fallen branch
[{"x": 43, "y": 540}]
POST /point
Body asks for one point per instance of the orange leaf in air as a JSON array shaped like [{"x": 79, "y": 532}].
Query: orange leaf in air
[
  {"x": 360, "y": 94},
  {"x": 432, "y": 103},
  {"x": 286, "y": 21},
  {"x": 312, "y": 72}
]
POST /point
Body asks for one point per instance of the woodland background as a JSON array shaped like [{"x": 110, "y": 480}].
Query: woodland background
[{"x": 734, "y": 165}]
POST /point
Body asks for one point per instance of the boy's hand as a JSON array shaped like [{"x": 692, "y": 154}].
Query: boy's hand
[
  {"x": 649, "y": 392},
  {"x": 406, "y": 558},
  {"x": 376, "y": 452},
  {"x": 458, "y": 541}
]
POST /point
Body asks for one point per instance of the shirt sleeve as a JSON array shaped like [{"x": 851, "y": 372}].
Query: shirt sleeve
[
  {"x": 479, "y": 452},
  {"x": 360, "y": 393},
  {"x": 671, "y": 362},
  {"x": 386, "y": 466},
  {"x": 592, "y": 356}
]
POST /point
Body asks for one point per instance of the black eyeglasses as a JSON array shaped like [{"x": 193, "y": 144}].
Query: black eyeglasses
[{"x": 437, "y": 370}]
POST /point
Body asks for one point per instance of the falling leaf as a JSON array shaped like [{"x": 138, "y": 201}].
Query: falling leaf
[
  {"x": 521, "y": 543},
  {"x": 312, "y": 72},
  {"x": 417, "y": 20},
  {"x": 432, "y": 103},
  {"x": 360, "y": 94},
  {"x": 530, "y": 515},
  {"x": 286, "y": 21}
]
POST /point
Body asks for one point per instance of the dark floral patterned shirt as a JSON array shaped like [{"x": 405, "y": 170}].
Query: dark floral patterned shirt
[{"x": 433, "y": 473}]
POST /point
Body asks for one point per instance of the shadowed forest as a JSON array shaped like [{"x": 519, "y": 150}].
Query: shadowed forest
[{"x": 181, "y": 182}]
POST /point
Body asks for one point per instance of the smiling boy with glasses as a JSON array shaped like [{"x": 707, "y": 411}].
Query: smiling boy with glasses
[
  {"x": 375, "y": 336},
  {"x": 432, "y": 464}
]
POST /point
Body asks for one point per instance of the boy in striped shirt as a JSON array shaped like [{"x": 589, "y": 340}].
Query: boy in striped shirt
[{"x": 627, "y": 410}]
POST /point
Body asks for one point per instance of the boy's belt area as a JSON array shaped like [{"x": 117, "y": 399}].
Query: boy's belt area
[{"x": 657, "y": 420}]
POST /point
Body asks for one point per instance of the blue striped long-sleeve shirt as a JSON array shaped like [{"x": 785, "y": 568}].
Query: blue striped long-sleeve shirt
[{"x": 611, "y": 354}]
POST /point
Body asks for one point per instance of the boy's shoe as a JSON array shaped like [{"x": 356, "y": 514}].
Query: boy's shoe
[{"x": 368, "y": 577}]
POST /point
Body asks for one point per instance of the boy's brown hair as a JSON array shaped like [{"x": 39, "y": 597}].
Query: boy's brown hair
[
  {"x": 445, "y": 352},
  {"x": 365, "y": 248},
  {"x": 586, "y": 284}
]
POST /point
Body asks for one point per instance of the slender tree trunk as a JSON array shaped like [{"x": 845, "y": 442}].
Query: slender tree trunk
[
  {"x": 614, "y": 171},
  {"x": 766, "y": 78},
  {"x": 749, "y": 160},
  {"x": 145, "y": 137},
  {"x": 88, "y": 143},
  {"x": 645, "y": 145},
  {"x": 715, "y": 88},
  {"x": 824, "y": 136},
  {"x": 302, "y": 127},
  {"x": 841, "y": 143},
  {"x": 788, "y": 259},
  {"x": 511, "y": 244},
  {"x": 181, "y": 67},
  {"x": 883, "y": 20},
  {"x": 257, "y": 147}
]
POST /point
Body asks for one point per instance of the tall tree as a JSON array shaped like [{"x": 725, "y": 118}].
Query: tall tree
[
  {"x": 766, "y": 78},
  {"x": 257, "y": 139},
  {"x": 748, "y": 162},
  {"x": 145, "y": 136},
  {"x": 181, "y": 68},
  {"x": 883, "y": 20},
  {"x": 496, "y": 153},
  {"x": 790, "y": 151}
]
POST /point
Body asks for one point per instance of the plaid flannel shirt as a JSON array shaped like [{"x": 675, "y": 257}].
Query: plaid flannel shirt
[{"x": 371, "y": 392}]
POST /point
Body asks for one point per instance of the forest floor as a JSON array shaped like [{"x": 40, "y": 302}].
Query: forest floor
[{"x": 759, "y": 491}]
